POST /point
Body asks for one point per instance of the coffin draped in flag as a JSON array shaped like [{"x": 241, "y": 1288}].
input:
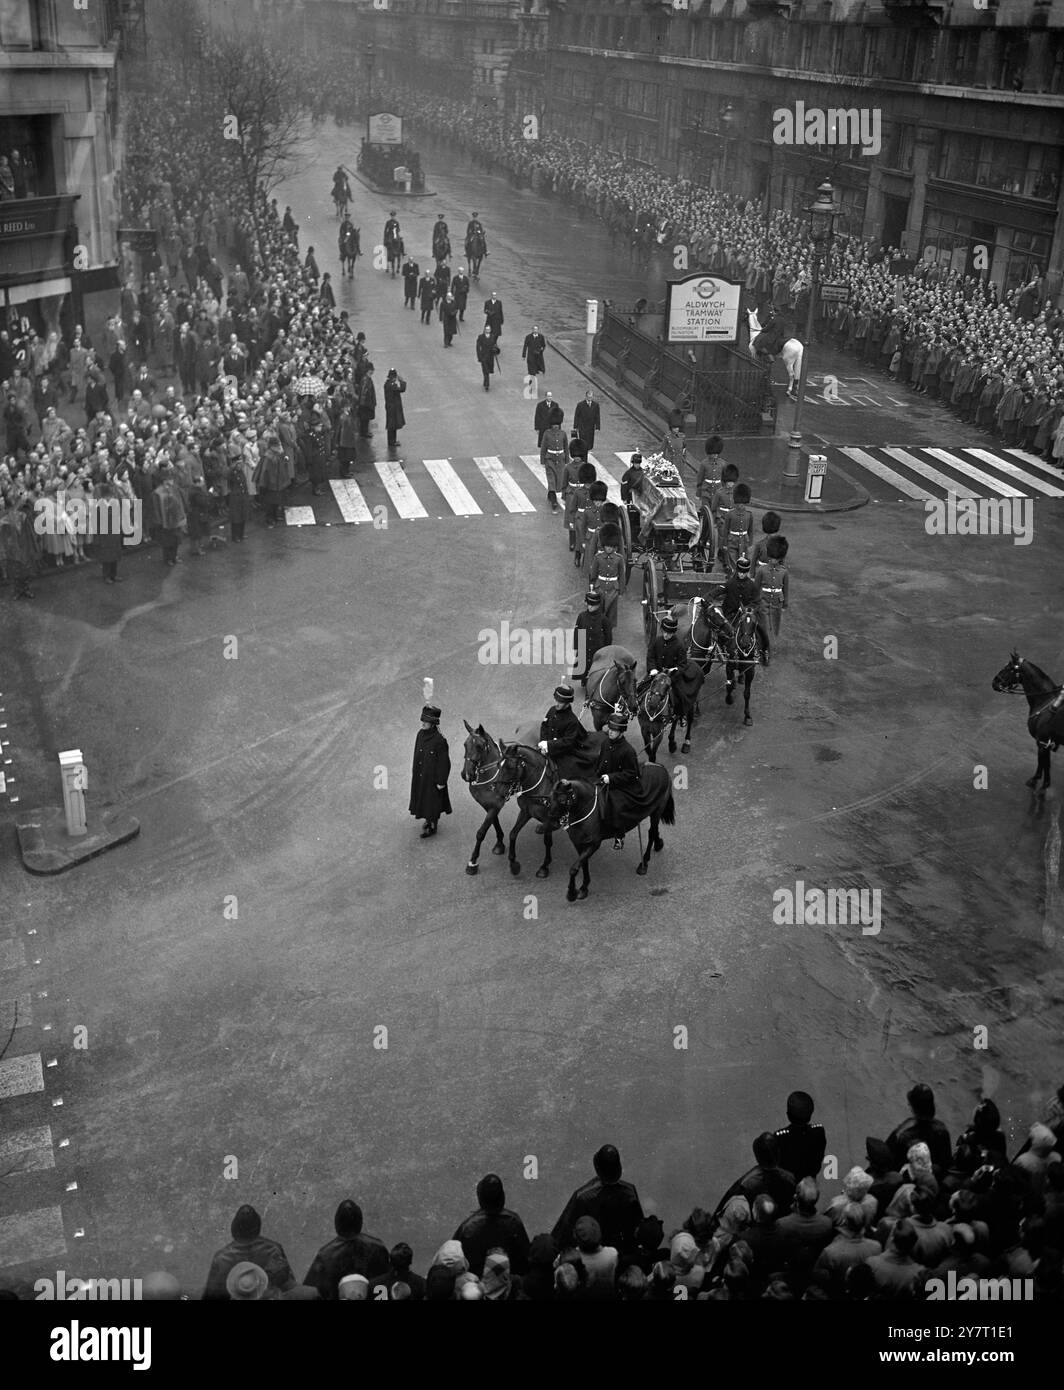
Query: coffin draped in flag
[{"x": 661, "y": 498}]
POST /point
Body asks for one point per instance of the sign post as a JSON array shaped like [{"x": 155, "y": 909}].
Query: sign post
[
  {"x": 702, "y": 309},
  {"x": 814, "y": 478},
  {"x": 75, "y": 783},
  {"x": 384, "y": 128},
  {"x": 834, "y": 293},
  {"x": 592, "y": 315}
]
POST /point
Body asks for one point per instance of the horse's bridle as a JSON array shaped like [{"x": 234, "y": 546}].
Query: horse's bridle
[
  {"x": 566, "y": 822},
  {"x": 597, "y": 695},
  {"x": 653, "y": 718},
  {"x": 715, "y": 645},
  {"x": 744, "y": 660}
]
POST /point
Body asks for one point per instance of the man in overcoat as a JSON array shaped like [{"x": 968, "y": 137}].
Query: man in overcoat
[{"x": 432, "y": 767}]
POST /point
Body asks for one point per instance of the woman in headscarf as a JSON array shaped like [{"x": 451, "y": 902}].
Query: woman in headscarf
[
  {"x": 497, "y": 1281},
  {"x": 734, "y": 1220}
]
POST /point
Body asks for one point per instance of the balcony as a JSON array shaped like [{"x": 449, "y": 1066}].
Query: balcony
[{"x": 35, "y": 242}]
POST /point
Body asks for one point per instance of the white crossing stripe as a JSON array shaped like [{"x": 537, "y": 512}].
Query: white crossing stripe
[
  {"x": 27, "y": 1151},
  {"x": 931, "y": 474},
  {"x": 349, "y": 499},
  {"x": 613, "y": 487},
  {"x": 459, "y": 498},
  {"x": 509, "y": 494},
  {"x": 1002, "y": 489},
  {"x": 33, "y": 1236},
  {"x": 1020, "y": 474},
  {"x": 888, "y": 475},
  {"x": 532, "y": 463},
  {"x": 1032, "y": 461},
  {"x": 404, "y": 498},
  {"x": 300, "y": 516},
  {"x": 21, "y": 1076}
]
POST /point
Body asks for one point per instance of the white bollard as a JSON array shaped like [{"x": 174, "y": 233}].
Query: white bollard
[
  {"x": 592, "y": 315},
  {"x": 814, "y": 478},
  {"x": 75, "y": 784}
]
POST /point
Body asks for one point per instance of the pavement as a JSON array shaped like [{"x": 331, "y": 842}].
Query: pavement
[{"x": 288, "y": 998}]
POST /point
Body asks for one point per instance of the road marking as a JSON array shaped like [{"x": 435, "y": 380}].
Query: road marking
[
  {"x": 33, "y": 1237},
  {"x": 1002, "y": 489},
  {"x": 511, "y": 496},
  {"x": 21, "y": 1076},
  {"x": 532, "y": 463},
  {"x": 613, "y": 487},
  {"x": 27, "y": 1151},
  {"x": 404, "y": 498},
  {"x": 1039, "y": 465},
  {"x": 1020, "y": 474},
  {"x": 350, "y": 500},
  {"x": 888, "y": 475},
  {"x": 300, "y": 516},
  {"x": 458, "y": 497},
  {"x": 931, "y": 474}
]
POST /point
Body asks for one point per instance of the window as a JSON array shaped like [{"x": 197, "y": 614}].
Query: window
[
  {"x": 900, "y": 148},
  {"x": 963, "y": 61},
  {"x": 870, "y": 59},
  {"x": 30, "y": 136},
  {"x": 838, "y": 37},
  {"x": 16, "y": 24},
  {"x": 808, "y": 49}
]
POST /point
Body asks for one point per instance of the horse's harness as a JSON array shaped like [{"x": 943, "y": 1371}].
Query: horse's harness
[
  {"x": 744, "y": 660},
  {"x": 653, "y": 718},
  {"x": 597, "y": 695},
  {"x": 566, "y": 822},
  {"x": 714, "y": 645}
]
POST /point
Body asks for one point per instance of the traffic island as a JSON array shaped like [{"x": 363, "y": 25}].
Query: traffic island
[
  {"x": 392, "y": 191},
  {"x": 762, "y": 464},
  {"x": 47, "y": 848}
]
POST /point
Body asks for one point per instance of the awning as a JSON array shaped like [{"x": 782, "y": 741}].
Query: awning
[{"x": 43, "y": 289}]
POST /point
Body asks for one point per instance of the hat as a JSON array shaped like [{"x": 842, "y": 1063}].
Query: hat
[
  {"x": 353, "y": 1288},
  {"x": 564, "y": 693},
  {"x": 246, "y": 1282},
  {"x": 669, "y": 623},
  {"x": 593, "y": 598},
  {"x": 742, "y": 565},
  {"x": 431, "y": 714},
  {"x": 618, "y": 721}
]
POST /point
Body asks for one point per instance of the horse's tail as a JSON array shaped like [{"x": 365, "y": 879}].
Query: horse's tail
[{"x": 668, "y": 811}]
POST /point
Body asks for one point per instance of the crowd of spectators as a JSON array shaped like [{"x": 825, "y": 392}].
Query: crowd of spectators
[
  {"x": 918, "y": 1207},
  {"x": 996, "y": 361}
]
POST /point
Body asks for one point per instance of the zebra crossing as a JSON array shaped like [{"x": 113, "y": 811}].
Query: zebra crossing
[
  {"x": 930, "y": 473},
  {"x": 438, "y": 488}
]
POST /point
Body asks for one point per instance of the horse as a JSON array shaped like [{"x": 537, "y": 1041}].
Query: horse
[
  {"x": 476, "y": 248},
  {"x": 441, "y": 246},
  {"x": 662, "y": 704},
  {"x": 481, "y": 769},
  {"x": 350, "y": 247},
  {"x": 341, "y": 196},
  {"x": 393, "y": 245},
  {"x": 578, "y": 808},
  {"x": 707, "y": 626},
  {"x": 1045, "y": 700},
  {"x": 766, "y": 342},
  {"x": 743, "y": 651},
  {"x": 610, "y": 678}
]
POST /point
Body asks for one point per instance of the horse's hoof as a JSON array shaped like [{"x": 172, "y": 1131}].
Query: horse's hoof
[
  {"x": 672, "y": 747},
  {"x": 581, "y": 893},
  {"x": 728, "y": 700},
  {"x": 498, "y": 849},
  {"x": 685, "y": 748},
  {"x": 515, "y": 867},
  {"x": 471, "y": 868},
  {"x": 659, "y": 845},
  {"x": 641, "y": 870},
  {"x": 543, "y": 872},
  {"x": 747, "y": 719},
  {"x": 1031, "y": 782},
  {"x": 570, "y": 897}
]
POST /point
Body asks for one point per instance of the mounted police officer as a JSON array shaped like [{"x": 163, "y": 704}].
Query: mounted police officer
[
  {"x": 666, "y": 651},
  {"x": 561, "y": 732},
  {"x": 391, "y": 227},
  {"x": 741, "y": 589},
  {"x": 475, "y": 227},
  {"x": 618, "y": 772},
  {"x": 441, "y": 240},
  {"x": 597, "y": 633}
]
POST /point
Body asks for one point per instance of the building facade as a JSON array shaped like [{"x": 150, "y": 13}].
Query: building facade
[
  {"x": 58, "y": 209},
  {"x": 959, "y": 155}
]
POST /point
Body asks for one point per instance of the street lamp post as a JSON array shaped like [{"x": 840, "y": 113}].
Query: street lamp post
[
  {"x": 822, "y": 215},
  {"x": 727, "y": 116}
]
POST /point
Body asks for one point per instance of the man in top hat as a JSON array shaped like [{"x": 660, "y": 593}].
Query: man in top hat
[
  {"x": 741, "y": 589},
  {"x": 432, "y": 767},
  {"x": 561, "y": 732},
  {"x": 618, "y": 772},
  {"x": 592, "y": 632}
]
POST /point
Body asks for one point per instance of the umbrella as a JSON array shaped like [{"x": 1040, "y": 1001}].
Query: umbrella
[{"x": 309, "y": 386}]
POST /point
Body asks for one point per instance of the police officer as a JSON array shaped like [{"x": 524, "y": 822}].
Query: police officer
[
  {"x": 618, "y": 772},
  {"x": 432, "y": 767},
  {"x": 666, "y": 651},
  {"x": 391, "y": 227},
  {"x": 473, "y": 226},
  {"x": 597, "y": 633},
  {"x": 561, "y": 732},
  {"x": 741, "y": 589}
]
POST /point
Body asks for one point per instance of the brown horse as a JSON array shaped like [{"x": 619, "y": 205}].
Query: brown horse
[
  {"x": 578, "y": 808},
  {"x": 1045, "y": 700},
  {"x": 610, "y": 679}
]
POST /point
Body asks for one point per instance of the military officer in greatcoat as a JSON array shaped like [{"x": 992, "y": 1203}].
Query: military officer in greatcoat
[
  {"x": 618, "y": 772},
  {"x": 591, "y": 633},
  {"x": 429, "y": 798},
  {"x": 561, "y": 732}
]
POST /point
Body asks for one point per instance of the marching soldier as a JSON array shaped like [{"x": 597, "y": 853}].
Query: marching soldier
[
  {"x": 561, "y": 732},
  {"x": 740, "y": 589},
  {"x": 720, "y": 509},
  {"x": 597, "y": 633},
  {"x": 432, "y": 767},
  {"x": 740, "y": 533},
  {"x": 460, "y": 290},
  {"x": 576, "y": 489},
  {"x": 607, "y": 571},
  {"x": 618, "y": 772},
  {"x": 553, "y": 454},
  {"x": 631, "y": 482},
  {"x": 773, "y": 580}
]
